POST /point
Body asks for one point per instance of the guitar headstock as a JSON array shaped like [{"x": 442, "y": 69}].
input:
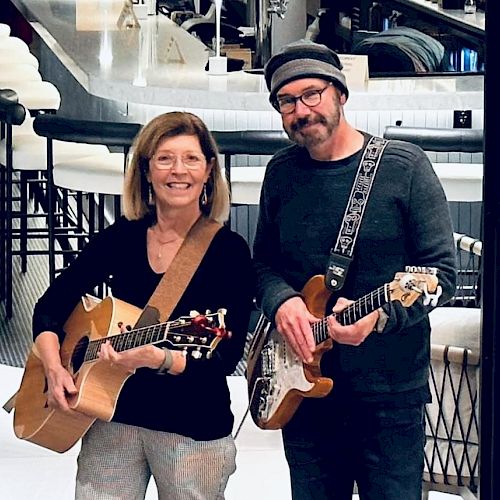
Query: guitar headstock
[
  {"x": 198, "y": 334},
  {"x": 416, "y": 282}
]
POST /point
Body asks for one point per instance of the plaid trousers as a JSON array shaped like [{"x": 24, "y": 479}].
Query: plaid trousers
[{"x": 116, "y": 462}]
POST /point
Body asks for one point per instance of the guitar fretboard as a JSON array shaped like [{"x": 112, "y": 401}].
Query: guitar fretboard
[
  {"x": 362, "y": 307},
  {"x": 128, "y": 340}
]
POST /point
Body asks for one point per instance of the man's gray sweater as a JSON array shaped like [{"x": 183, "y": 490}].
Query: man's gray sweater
[{"x": 406, "y": 222}]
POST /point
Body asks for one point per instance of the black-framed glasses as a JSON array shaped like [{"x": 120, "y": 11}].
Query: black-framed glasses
[{"x": 287, "y": 103}]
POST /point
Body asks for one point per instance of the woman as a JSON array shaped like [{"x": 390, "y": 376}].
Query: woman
[{"x": 173, "y": 418}]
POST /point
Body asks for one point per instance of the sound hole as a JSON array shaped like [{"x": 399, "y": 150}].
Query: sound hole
[{"x": 78, "y": 356}]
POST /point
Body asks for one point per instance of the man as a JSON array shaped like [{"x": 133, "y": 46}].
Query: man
[{"x": 370, "y": 428}]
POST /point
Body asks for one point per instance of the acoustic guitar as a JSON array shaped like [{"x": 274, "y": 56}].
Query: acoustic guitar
[
  {"x": 99, "y": 383},
  {"x": 278, "y": 380}
]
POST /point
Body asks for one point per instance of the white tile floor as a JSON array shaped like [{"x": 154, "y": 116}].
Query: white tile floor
[{"x": 29, "y": 472}]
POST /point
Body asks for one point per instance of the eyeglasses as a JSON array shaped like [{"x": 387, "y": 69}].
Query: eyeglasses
[
  {"x": 286, "y": 104},
  {"x": 166, "y": 161}
]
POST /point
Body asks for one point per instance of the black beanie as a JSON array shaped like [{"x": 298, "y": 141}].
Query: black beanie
[{"x": 303, "y": 59}]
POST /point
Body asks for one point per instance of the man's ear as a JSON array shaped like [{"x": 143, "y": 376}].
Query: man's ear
[{"x": 343, "y": 99}]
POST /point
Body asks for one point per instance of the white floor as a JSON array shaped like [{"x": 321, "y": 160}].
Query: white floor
[{"x": 29, "y": 472}]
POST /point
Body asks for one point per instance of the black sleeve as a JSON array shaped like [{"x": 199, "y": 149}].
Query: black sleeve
[
  {"x": 90, "y": 269},
  {"x": 430, "y": 233},
  {"x": 271, "y": 289}
]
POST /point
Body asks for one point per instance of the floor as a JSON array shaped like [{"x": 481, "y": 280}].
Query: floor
[{"x": 29, "y": 472}]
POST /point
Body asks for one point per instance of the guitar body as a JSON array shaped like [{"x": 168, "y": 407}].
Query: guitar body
[
  {"x": 278, "y": 380},
  {"x": 98, "y": 383}
]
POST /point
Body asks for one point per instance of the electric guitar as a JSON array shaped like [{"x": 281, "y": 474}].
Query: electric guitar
[
  {"x": 277, "y": 378},
  {"x": 98, "y": 382}
]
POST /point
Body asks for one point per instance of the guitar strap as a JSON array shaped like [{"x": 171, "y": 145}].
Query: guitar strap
[
  {"x": 178, "y": 275},
  {"x": 175, "y": 280},
  {"x": 341, "y": 255}
]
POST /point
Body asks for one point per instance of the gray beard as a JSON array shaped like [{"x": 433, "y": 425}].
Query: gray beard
[{"x": 311, "y": 140}]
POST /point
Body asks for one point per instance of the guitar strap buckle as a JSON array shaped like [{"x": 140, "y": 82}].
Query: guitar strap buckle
[{"x": 336, "y": 271}]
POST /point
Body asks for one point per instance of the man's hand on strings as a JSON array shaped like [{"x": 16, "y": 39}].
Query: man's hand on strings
[
  {"x": 293, "y": 321},
  {"x": 354, "y": 334}
]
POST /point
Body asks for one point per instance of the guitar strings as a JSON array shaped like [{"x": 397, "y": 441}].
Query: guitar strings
[
  {"x": 320, "y": 330},
  {"x": 141, "y": 333}
]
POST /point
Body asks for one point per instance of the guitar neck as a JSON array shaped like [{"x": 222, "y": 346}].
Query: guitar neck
[
  {"x": 354, "y": 312},
  {"x": 153, "y": 334}
]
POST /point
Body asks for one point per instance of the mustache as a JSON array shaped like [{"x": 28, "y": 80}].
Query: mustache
[{"x": 306, "y": 121}]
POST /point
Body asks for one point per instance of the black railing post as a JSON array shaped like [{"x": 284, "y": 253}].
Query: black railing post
[{"x": 489, "y": 486}]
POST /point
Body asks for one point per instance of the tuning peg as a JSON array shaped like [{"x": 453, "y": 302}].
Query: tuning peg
[
  {"x": 193, "y": 313},
  {"x": 220, "y": 316},
  {"x": 431, "y": 299},
  {"x": 207, "y": 312},
  {"x": 196, "y": 354}
]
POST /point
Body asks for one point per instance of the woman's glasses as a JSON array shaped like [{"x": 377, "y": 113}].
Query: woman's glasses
[{"x": 167, "y": 161}]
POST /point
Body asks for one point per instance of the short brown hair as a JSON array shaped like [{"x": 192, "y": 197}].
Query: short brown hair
[{"x": 136, "y": 189}]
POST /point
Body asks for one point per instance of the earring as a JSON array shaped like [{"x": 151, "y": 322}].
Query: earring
[
  {"x": 151, "y": 200},
  {"x": 204, "y": 197}
]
